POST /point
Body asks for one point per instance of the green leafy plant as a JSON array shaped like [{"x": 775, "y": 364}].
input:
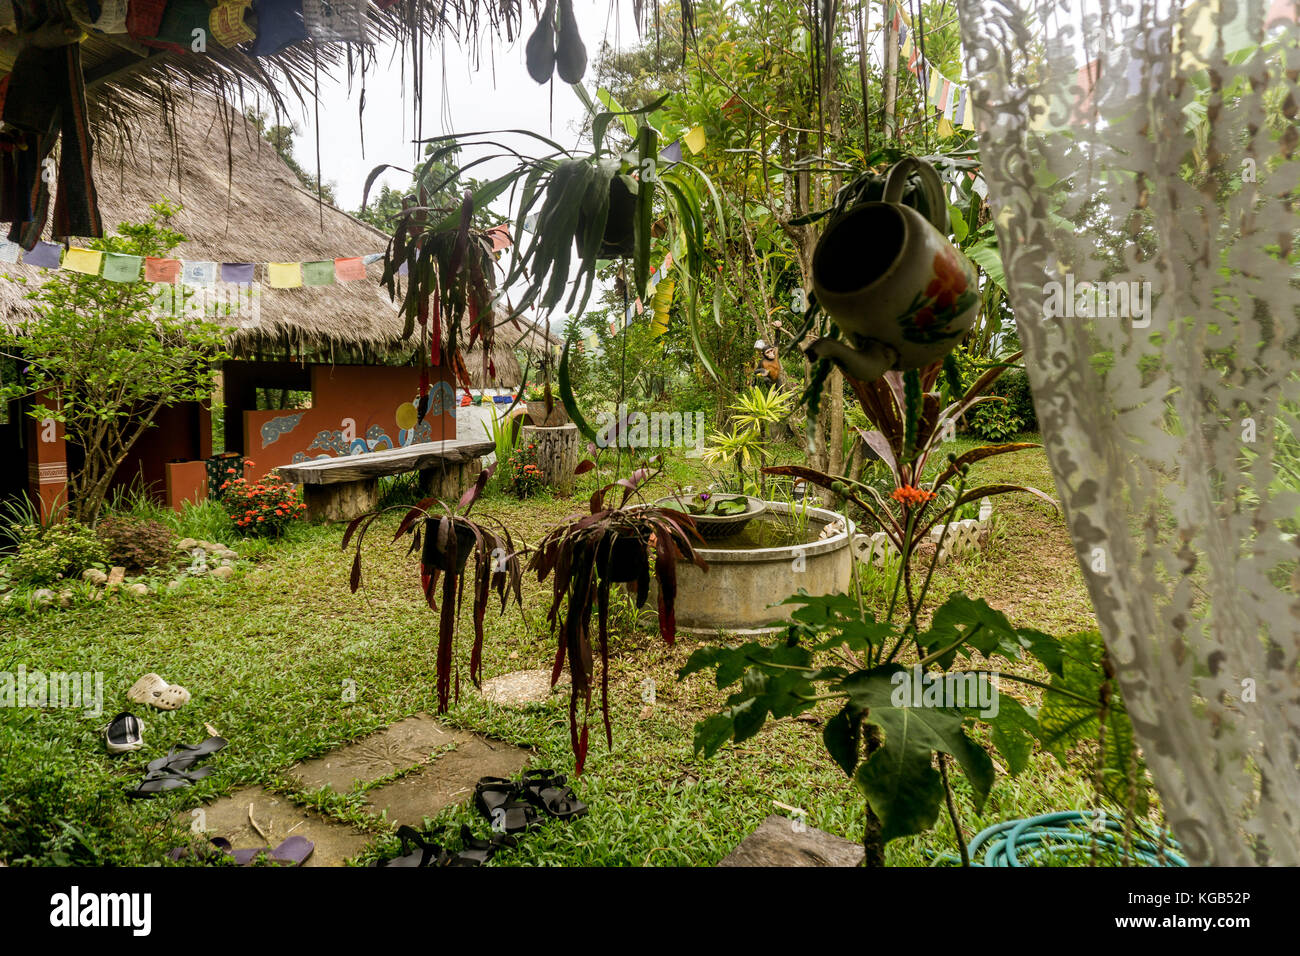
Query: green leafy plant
[
  {"x": 262, "y": 507},
  {"x": 995, "y": 422},
  {"x": 745, "y": 445},
  {"x": 526, "y": 477},
  {"x": 706, "y": 503},
  {"x": 103, "y": 361},
  {"x": 137, "y": 544},
  {"x": 61, "y": 550}
]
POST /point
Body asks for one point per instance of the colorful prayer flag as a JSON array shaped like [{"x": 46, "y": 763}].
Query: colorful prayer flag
[
  {"x": 45, "y": 255},
  {"x": 238, "y": 272},
  {"x": 335, "y": 21},
  {"x": 349, "y": 269},
  {"x": 198, "y": 273},
  {"x": 120, "y": 267},
  {"x": 86, "y": 261},
  {"x": 694, "y": 140},
  {"x": 284, "y": 275},
  {"x": 9, "y": 251},
  {"x": 227, "y": 25},
  {"x": 318, "y": 272},
  {"x": 161, "y": 270}
]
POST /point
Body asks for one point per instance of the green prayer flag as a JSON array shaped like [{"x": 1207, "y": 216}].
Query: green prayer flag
[
  {"x": 120, "y": 267},
  {"x": 318, "y": 273}
]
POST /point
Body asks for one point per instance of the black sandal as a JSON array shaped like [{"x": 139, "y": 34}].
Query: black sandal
[
  {"x": 477, "y": 852},
  {"x": 550, "y": 792},
  {"x": 426, "y": 853},
  {"x": 183, "y": 756},
  {"x": 162, "y": 780}
]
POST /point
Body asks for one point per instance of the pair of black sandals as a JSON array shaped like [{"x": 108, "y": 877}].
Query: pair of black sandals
[
  {"x": 173, "y": 772},
  {"x": 511, "y": 806}
]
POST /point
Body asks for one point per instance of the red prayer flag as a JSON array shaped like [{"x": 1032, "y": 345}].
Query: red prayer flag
[
  {"x": 161, "y": 270},
  {"x": 349, "y": 269}
]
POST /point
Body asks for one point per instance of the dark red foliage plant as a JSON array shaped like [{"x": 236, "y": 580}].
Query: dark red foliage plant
[
  {"x": 584, "y": 556},
  {"x": 446, "y": 539}
]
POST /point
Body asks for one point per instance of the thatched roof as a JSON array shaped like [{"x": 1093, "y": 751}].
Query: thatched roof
[{"x": 252, "y": 211}]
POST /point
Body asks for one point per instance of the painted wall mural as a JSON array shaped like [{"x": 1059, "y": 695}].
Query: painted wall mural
[{"x": 355, "y": 410}]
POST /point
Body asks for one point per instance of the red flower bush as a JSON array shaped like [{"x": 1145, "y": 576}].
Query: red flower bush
[
  {"x": 525, "y": 477},
  {"x": 261, "y": 507}
]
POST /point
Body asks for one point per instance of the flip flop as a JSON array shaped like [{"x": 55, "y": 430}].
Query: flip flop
[
  {"x": 183, "y": 756},
  {"x": 426, "y": 853},
  {"x": 124, "y": 734},
  {"x": 161, "y": 781},
  {"x": 477, "y": 852},
  {"x": 292, "y": 852}
]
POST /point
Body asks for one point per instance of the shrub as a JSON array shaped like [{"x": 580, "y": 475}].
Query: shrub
[
  {"x": 137, "y": 544},
  {"x": 262, "y": 507},
  {"x": 1014, "y": 387},
  {"x": 995, "y": 421},
  {"x": 525, "y": 477},
  {"x": 64, "y": 549}
]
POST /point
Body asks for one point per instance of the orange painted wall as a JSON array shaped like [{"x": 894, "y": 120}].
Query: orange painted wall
[{"x": 355, "y": 408}]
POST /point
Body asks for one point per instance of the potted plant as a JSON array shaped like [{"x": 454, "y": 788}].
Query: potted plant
[
  {"x": 446, "y": 538},
  {"x": 717, "y": 515},
  {"x": 589, "y": 553}
]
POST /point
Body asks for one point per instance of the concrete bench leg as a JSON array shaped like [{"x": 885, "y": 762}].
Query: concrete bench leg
[
  {"x": 449, "y": 481},
  {"x": 341, "y": 501}
]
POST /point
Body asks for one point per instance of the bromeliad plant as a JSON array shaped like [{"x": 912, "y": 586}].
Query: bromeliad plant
[
  {"x": 446, "y": 538},
  {"x": 584, "y": 557}
]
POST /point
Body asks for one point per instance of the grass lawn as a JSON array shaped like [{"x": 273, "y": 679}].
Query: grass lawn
[{"x": 268, "y": 656}]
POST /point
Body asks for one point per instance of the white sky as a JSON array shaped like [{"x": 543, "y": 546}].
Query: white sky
[{"x": 461, "y": 95}]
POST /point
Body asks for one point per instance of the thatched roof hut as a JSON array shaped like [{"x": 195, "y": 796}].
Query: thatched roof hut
[{"x": 253, "y": 209}]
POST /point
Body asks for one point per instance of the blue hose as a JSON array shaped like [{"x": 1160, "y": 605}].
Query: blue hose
[{"x": 1035, "y": 840}]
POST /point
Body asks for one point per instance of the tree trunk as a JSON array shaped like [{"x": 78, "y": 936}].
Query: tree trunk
[{"x": 557, "y": 454}]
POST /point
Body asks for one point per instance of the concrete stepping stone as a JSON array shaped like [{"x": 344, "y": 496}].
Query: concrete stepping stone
[
  {"x": 398, "y": 747},
  {"x": 519, "y": 688},
  {"x": 280, "y": 819},
  {"x": 781, "y": 841},
  {"x": 448, "y": 779}
]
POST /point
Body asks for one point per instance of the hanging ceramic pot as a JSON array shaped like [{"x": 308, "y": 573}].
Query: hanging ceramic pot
[{"x": 889, "y": 278}]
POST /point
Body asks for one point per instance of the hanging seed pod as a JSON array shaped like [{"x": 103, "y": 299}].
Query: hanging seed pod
[
  {"x": 539, "y": 53},
  {"x": 570, "y": 53}
]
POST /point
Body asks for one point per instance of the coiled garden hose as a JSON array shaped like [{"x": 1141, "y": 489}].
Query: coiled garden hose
[{"x": 1035, "y": 840}]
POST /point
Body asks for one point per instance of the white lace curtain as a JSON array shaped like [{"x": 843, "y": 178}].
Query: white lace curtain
[{"x": 1140, "y": 165}]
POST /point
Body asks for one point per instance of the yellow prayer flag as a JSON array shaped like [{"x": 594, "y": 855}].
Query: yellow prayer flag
[
  {"x": 968, "y": 121},
  {"x": 694, "y": 139},
  {"x": 83, "y": 260},
  {"x": 906, "y": 53},
  {"x": 936, "y": 86},
  {"x": 945, "y": 127},
  {"x": 284, "y": 275}
]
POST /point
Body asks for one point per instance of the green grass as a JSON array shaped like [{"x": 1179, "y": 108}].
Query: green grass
[{"x": 267, "y": 655}]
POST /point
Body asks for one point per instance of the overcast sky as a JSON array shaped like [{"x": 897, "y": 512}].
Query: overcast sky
[{"x": 464, "y": 92}]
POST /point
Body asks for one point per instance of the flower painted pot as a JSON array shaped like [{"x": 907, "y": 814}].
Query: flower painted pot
[{"x": 890, "y": 278}]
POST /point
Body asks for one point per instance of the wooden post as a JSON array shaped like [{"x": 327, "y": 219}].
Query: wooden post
[
  {"x": 557, "y": 454},
  {"x": 341, "y": 501}
]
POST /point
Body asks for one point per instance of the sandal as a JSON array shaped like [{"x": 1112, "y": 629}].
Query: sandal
[
  {"x": 499, "y": 800},
  {"x": 160, "y": 781},
  {"x": 477, "y": 852},
  {"x": 183, "y": 756},
  {"x": 550, "y": 792},
  {"x": 426, "y": 853},
  {"x": 153, "y": 690},
  {"x": 124, "y": 734}
]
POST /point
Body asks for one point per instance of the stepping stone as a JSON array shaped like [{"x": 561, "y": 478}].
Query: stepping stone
[
  {"x": 280, "y": 819},
  {"x": 779, "y": 841},
  {"x": 448, "y": 779},
  {"x": 519, "y": 689},
  {"x": 398, "y": 747}
]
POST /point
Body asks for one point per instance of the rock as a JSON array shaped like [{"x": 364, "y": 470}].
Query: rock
[
  {"x": 138, "y": 589},
  {"x": 187, "y": 543},
  {"x": 94, "y": 576},
  {"x": 222, "y": 573},
  {"x": 65, "y": 598},
  {"x": 116, "y": 576},
  {"x": 781, "y": 841},
  {"x": 219, "y": 547},
  {"x": 42, "y": 597},
  {"x": 226, "y": 555},
  {"x": 172, "y": 585}
]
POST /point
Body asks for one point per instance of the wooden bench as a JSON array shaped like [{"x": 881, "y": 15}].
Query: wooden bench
[{"x": 340, "y": 489}]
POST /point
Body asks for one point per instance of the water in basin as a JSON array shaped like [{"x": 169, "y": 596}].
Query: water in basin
[{"x": 768, "y": 531}]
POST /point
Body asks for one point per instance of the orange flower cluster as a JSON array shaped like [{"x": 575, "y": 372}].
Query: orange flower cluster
[
  {"x": 908, "y": 496},
  {"x": 263, "y": 507}
]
